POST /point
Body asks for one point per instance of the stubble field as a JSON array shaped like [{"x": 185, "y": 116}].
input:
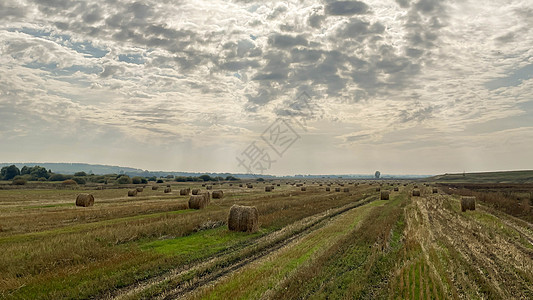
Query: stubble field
[{"x": 311, "y": 244}]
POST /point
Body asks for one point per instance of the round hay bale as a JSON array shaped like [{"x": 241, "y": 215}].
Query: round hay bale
[
  {"x": 268, "y": 189},
  {"x": 337, "y": 189},
  {"x": 416, "y": 192},
  {"x": 468, "y": 203},
  {"x": 168, "y": 185},
  {"x": 435, "y": 190},
  {"x": 231, "y": 184},
  {"x": 139, "y": 189},
  {"x": 243, "y": 218},
  {"x": 250, "y": 186},
  {"x": 185, "y": 192},
  {"x": 303, "y": 189},
  {"x": 195, "y": 191},
  {"x": 346, "y": 190},
  {"x": 155, "y": 187},
  {"x": 209, "y": 187},
  {"x": 278, "y": 184},
  {"x": 206, "y": 194},
  {"x": 384, "y": 195},
  {"x": 203, "y": 184},
  {"x": 218, "y": 194},
  {"x": 378, "y": 189},
  {"x": 198, "y": 202},
  {"x": 240, "y": 185},
  {"x": 168, "y": 190},
  {"x": 416, "y": 186},
  {"x": 132, "y": 193},
  {"x": 328, "y": 189},
  {"x": 396, "y": 189},
  {"x": 85, "y": 200}
]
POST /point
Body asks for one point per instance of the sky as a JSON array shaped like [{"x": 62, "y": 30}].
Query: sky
[{"x": 282, "y": 88}]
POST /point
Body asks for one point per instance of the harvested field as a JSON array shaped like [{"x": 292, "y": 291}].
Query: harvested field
[{"x": 311, "y": 244}]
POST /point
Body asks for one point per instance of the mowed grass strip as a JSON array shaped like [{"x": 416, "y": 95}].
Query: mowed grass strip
[
  {"x": 357, "y": 266},
  {"x": 253, "y": 281}
]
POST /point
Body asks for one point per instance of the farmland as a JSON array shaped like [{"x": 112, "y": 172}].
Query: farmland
[{"x": 310, "y": 244}]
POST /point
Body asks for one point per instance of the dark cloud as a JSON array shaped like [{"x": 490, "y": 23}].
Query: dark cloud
[
  {"x": 315, "y": 20},
  {"x": 428, "y": 6},
  {"x": 93, "y": 15},
  {"x": 359, "y": 30},
  {"x": 404, "y": 3},
  {"x": 284, "y": 41},
  {"x": 346, "y": 8},
  {"x": 237, "y": 65},
  {"x": 11, "y": 11},
  {"x": 417, "y": 114},
  {"x": 506, "y": 38}
]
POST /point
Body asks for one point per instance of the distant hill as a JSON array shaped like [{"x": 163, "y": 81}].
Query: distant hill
[{"x": 486, "y": 177}]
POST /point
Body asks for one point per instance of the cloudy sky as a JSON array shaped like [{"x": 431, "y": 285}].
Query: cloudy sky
[{"x": 312, "y": 87}]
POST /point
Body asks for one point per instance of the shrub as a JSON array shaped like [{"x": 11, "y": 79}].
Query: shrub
[
  {"x": 19, "y": 180},
  {"x": 205, "y": 177},
  {"x": 79, "y": 180},
  {"x": 124, "y": 179},
  {"x": 80, "y": 174},
  {"x": 69, "y": 182},
  {"x": 160, "y": 181},
  {"x": 58, "y": 177},
  {"x": 136, "y": 180}
]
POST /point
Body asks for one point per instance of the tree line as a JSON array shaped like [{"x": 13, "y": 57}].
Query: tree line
[{"x": 37, "y": 173}]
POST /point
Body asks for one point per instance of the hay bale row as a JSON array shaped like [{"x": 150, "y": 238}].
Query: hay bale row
[
  {"x": 85, "y": 200},
  {"x": 243, "y": 218},
  {"x": 218, "y": 194},
  {"x": 385, "y": 195},
  {"x": 468, "y": 203},
  {"x": 132, "y": 193}
]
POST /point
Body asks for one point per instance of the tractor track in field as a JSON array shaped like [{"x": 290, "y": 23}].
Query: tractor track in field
[
  {"x": 227, "y": 261},
  {"x": 502, "y": 265}
]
